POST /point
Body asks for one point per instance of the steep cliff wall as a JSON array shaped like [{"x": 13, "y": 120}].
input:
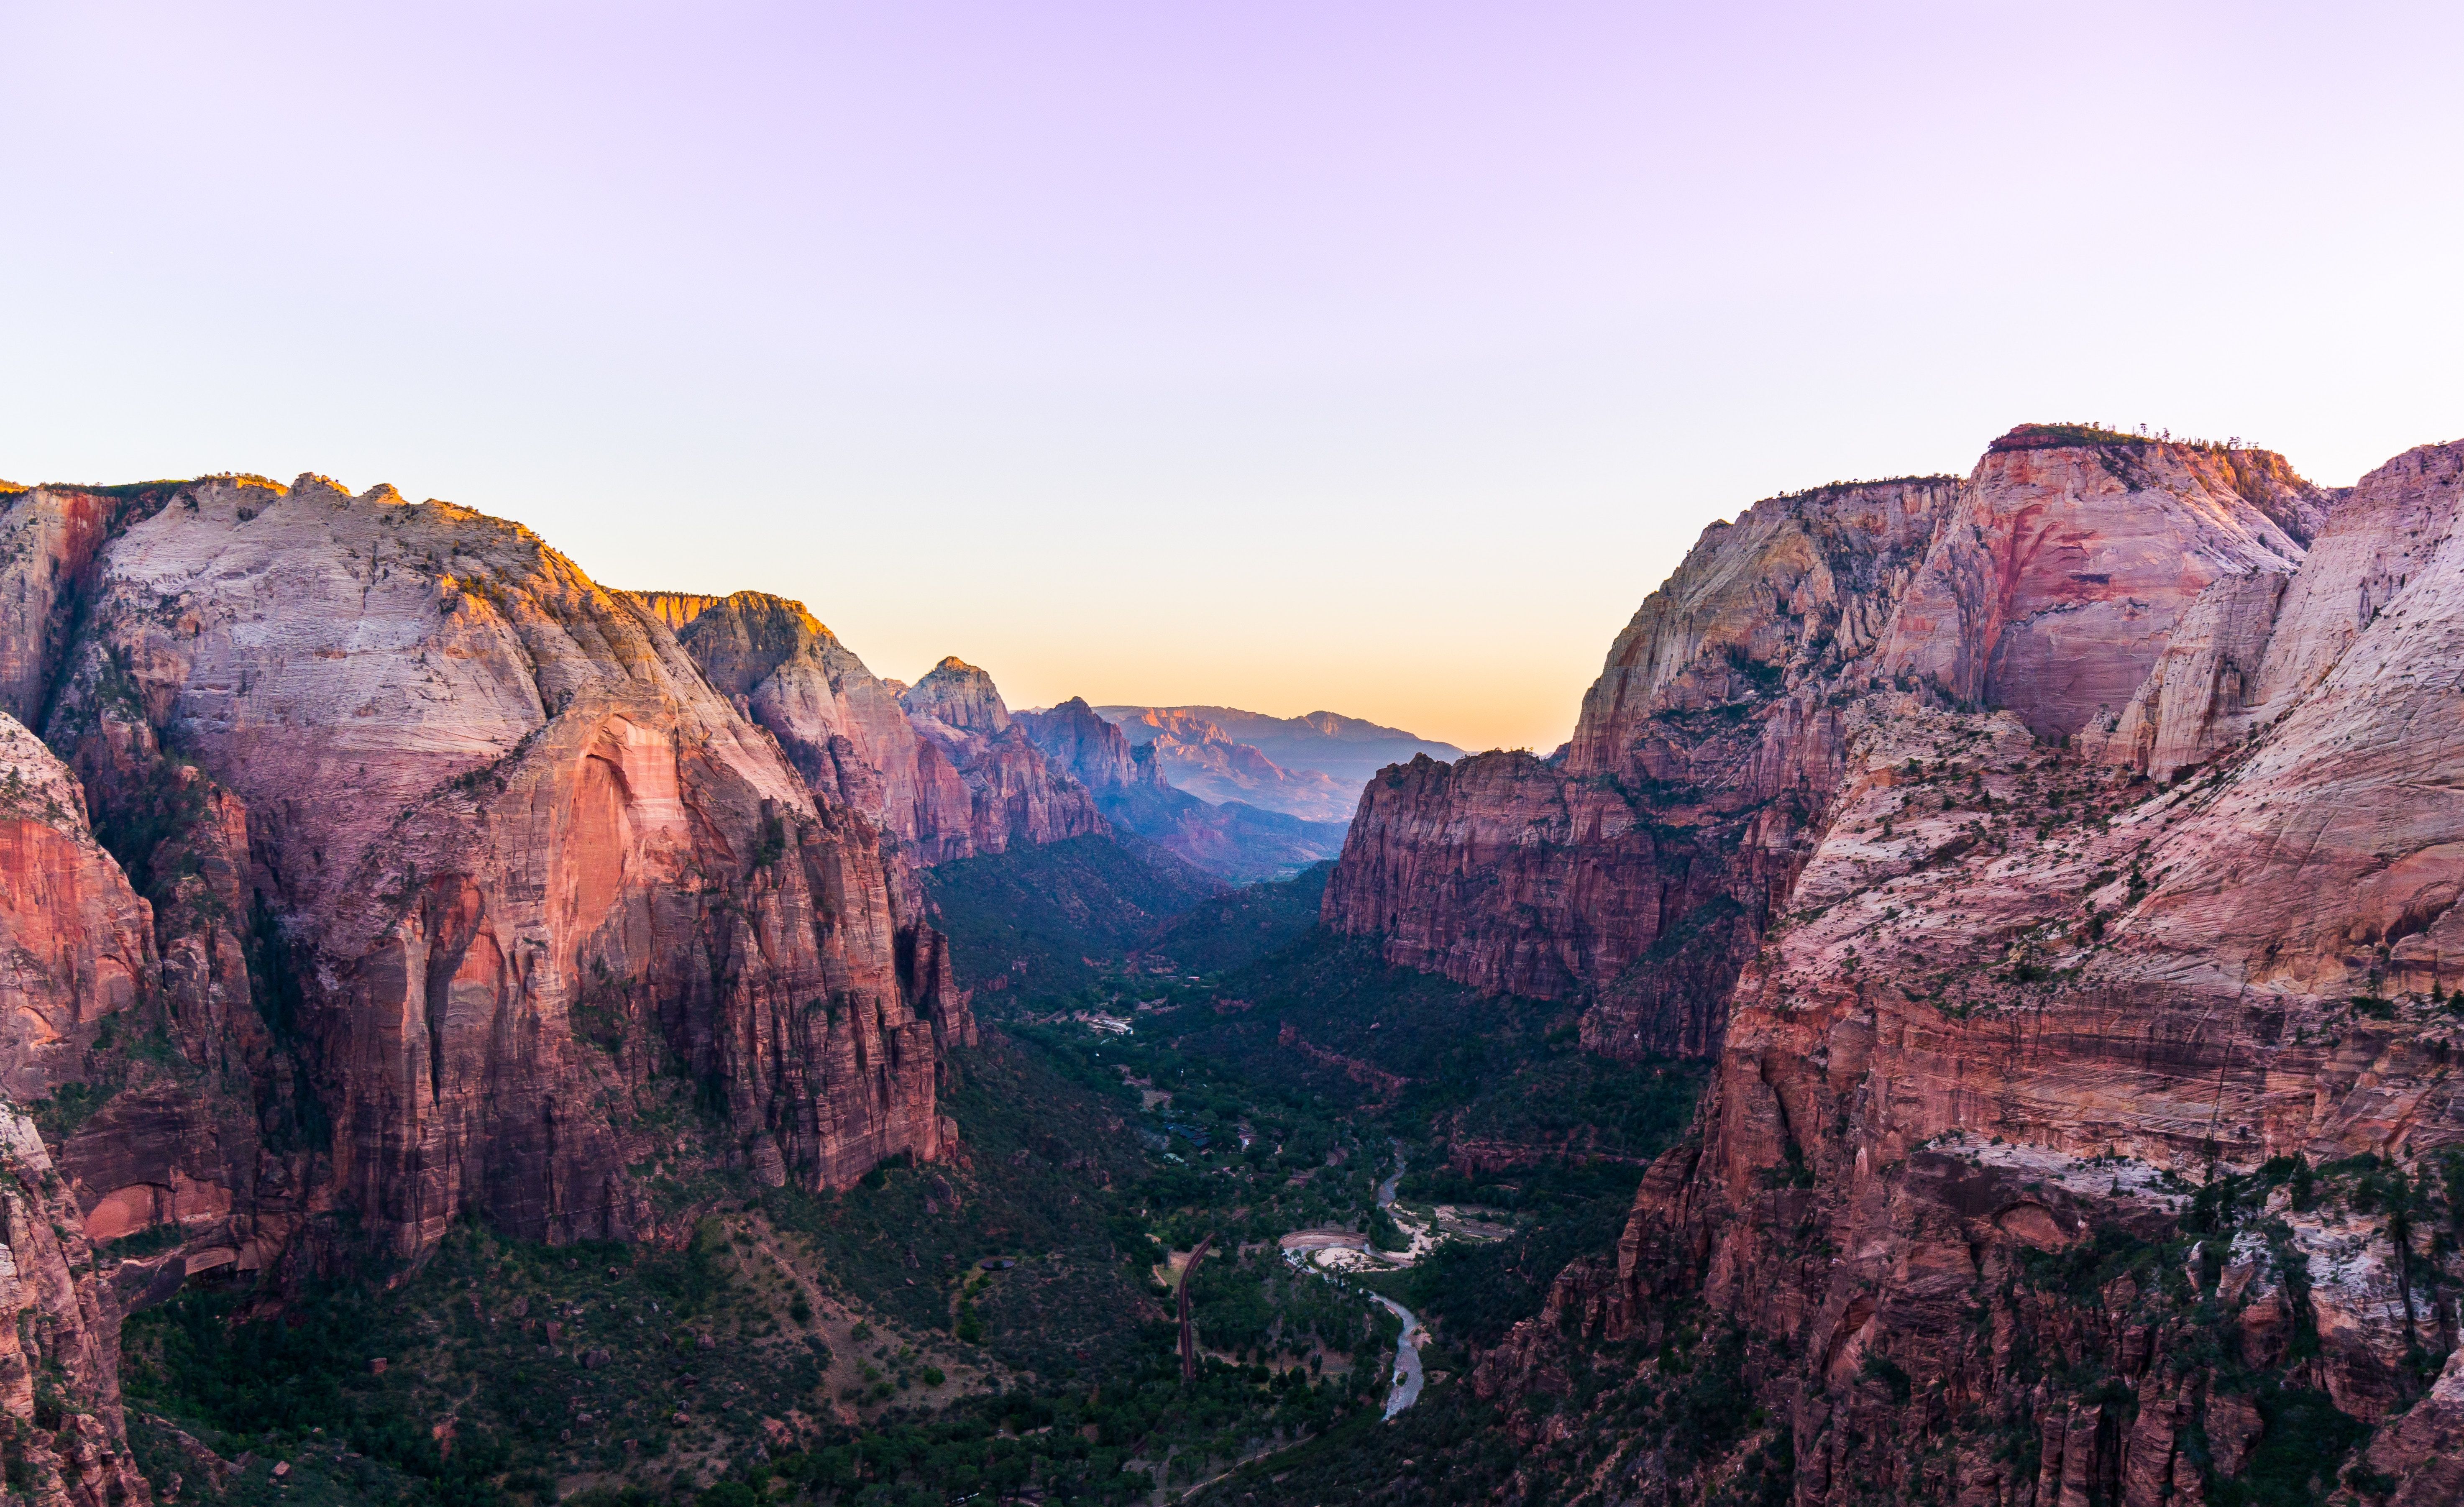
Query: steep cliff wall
[
  {"x": 2078, "y": 1136},
  {"x": 1636, "y": 869},
  {"x": 63, "y": 1437},
  {"x": 513, "y": 867},
  {"x": 76, "y": 968},
  {"x": 48, "y": 539},
  {"x": 1013, "y": 793},
  {"x": 1080, "y": 743},
  {"x": 376, "y": 863}
]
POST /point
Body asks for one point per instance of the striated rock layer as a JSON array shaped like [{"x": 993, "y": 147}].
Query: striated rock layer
[
  {"x": 401, "y": 827},
  {"x": 2072, "y": 1130},
  {"x": 946, "y": 767},
  {"x": 1636, "y": 869},
  {"x": 376, "y": 869}
]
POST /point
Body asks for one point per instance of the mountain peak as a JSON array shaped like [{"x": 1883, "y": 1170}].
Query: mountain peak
[{"x": 957, "y": 694}]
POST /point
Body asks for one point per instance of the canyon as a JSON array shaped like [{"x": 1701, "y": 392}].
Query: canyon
[
  {"x": 370, "y": 873},
  {"x": 2048, "y": 872},
  {"x": 2056, "y": 864},
  {"x": 947, "y": 767}
]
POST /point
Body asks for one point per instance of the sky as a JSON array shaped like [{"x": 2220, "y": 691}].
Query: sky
[{"x": 1377, "y": 358}]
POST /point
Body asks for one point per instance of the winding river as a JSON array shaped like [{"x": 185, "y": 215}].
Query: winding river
[
  {"x": 1299, "y": 1246},
  {"x": 1407, "y": 1344}
]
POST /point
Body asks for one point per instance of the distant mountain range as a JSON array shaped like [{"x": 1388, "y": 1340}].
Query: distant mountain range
[{"x": 1311, "y": 767}]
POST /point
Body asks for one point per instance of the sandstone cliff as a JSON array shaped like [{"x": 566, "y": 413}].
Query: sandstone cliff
[
  {"x": 65, "y": 1440},
  {"x": 457, "y": 852},
  {"x": 1636, "y": 870},
  {"x": 938, "y": 765},
  {"x": 377, "y": 864},
  {"x": 1014, "y": 795},
  {"x": 80, "y": 965},
  {"x": 1091, "y": 751},
  {"x": 2072, "y": 1128}
]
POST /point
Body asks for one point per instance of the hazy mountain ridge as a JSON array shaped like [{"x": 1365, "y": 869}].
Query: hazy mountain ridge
[
  {"x": 1230, "y": 837},
  {"x": 1346, "y": 749},
  {"x": 946, "y": 766}
]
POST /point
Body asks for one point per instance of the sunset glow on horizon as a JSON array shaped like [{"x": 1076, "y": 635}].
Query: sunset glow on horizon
[{"x": 1378, "y": 359}]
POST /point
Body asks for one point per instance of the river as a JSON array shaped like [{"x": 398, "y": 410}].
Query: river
[{"x": 1406, "y": 1390}]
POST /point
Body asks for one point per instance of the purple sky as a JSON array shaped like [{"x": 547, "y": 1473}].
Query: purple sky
[{"x": 1374, "y": 357}]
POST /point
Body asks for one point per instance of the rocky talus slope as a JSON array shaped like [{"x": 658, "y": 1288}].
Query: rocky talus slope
[
  {"x": 2085, "y": 1126},
  {"x": 375, "y": 868}
]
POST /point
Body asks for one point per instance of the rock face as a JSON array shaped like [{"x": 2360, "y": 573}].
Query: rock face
[
  {"x": 48, "y": 539},
  {"x": 63, "y": 1313},
  {"x": 1636, "y": 869},
  {"x": 2057, "y": 582},
  {"x": 945, "y": 766},
  {"x": 79, "y": 951},
  {"x": 376, "y": 863},
  {"x": 1230, "y": 838},
  {"x": 940, "y": 767},
  {"x": 1013, "y": 795},
  {"x": 2070, "y": 1127},
  {"x": 76, "y": 943},
  {"x": 380, "y": 864},
  {"x": 1084, "y": 746}
]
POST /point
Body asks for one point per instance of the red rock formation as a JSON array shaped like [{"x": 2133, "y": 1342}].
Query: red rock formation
[
  {"x": 2016, "y": 1004},
  {"x": 2054, "y": 585},
  {"x": 62, "y": 1323},
  {"x": 1013, "y": 795},
  {"x": 522, "y": 859},
  {"x": 1637, "y": 868},
  {"x": 474, "y": 836},
  {"x": 48, "y": 539},
  {"x": 1081, "y": 744},
  {"x": 78, "y": 944},
  {"x": 940, "y": 767}
]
